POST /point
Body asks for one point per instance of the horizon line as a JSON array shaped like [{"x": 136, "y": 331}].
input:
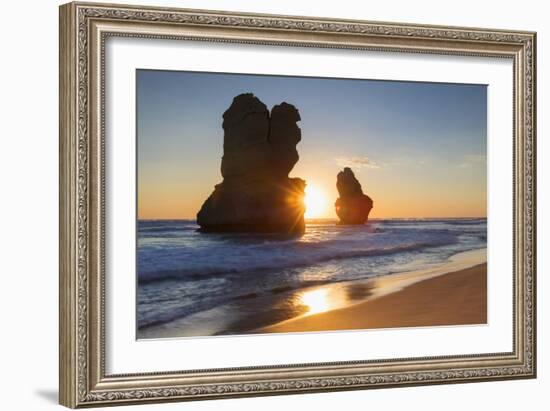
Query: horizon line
[{"x": 336, "y": 218}]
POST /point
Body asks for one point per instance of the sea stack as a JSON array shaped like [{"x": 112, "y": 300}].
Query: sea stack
[
  {"x": 259, "y": 150},
  {"x": 353, "y": 206}
]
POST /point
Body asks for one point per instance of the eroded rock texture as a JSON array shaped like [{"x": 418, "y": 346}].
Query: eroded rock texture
[
  {"x": 353, "y": 206},
  {"x": 259, "y": 150}
]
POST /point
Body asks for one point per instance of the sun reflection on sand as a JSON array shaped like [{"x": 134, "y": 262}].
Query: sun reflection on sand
[
  {"x": 316, "y": 301},
  {"x": 327, "y": 298}
]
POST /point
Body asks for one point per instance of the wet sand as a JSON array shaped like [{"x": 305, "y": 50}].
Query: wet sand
[
  {"x": 453, "y": 292},
  {"x": 455, "y": 298}
]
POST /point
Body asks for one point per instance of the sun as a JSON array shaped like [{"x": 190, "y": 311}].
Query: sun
[{"x": 315, "y": 201}]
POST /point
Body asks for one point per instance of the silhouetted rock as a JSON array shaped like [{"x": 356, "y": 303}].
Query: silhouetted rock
[
  {"x": 246, "y": 150},
  {"x": 284, "y": 135},
  {"x": 352, "y": 207},
  {"x": 259, "y": 150}
]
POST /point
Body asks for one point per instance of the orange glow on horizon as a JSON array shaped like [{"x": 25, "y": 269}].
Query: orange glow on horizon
[{"x": 395, "y": 195}]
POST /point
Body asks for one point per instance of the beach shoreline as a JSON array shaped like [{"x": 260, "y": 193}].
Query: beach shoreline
[
  {"x": 453, "y": 292},
  {"x": 453, "y": 298}
]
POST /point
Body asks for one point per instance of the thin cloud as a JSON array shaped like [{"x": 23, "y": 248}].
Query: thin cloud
[
  {"x": 472, "y": 160},
  {"x": 356, "y": 162}
]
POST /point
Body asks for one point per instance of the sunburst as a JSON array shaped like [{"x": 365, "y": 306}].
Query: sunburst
[{"x": 315, "y": 201}]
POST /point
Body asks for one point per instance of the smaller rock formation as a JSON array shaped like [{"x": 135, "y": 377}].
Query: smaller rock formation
[{"x": 353, "y": 206}]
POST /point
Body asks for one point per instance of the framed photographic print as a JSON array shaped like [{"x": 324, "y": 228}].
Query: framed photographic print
[{"x": 259, "y": 204}]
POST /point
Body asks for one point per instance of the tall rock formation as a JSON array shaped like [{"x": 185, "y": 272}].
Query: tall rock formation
[
  {"x": 259, "y": 150},
  {"x": 352, "y": 207}
]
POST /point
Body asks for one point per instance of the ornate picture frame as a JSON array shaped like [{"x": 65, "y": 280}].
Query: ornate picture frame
[{"x": 84, "y": 29}]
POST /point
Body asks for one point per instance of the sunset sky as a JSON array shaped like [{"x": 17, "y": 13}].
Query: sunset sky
[{"x": 418, "y": 149}]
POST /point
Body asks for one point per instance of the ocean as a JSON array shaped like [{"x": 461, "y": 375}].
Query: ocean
[{"x": 207, "y": 284}]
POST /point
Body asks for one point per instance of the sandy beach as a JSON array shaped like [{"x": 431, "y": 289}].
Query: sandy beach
[{"x": 455, "y": 298}]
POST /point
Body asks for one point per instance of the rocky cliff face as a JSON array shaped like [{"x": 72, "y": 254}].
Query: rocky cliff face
[
  {"x": 353, "y": 206},
  {"x": 259, "y": 150}
]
